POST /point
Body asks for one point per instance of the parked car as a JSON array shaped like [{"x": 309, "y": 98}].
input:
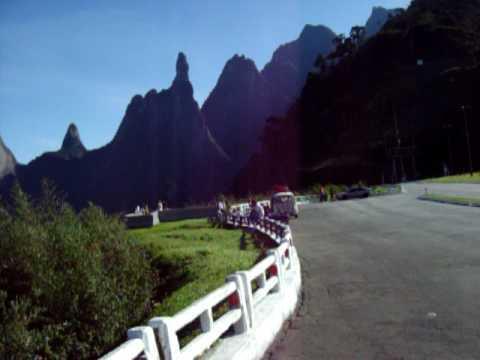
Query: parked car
[
  {"x": 283, "y": 206},
  {"x": 355, "y": 192}
]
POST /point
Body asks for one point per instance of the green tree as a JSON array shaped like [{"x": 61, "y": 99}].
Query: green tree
[{"x": 70, "y": 284}]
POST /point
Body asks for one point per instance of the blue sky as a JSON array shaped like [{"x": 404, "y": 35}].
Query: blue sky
[{"x": 82, "y": 61}]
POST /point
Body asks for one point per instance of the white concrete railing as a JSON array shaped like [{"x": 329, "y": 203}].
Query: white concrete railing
[
  {"x": 268, "y": 275},
  {"x": 237, "y": 316},
  {"x": 141, "y": 341},
  {"x": 244, "y": 208},
  {"x": 275, "y": 229}
]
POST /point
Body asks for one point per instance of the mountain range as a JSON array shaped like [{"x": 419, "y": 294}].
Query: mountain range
[
  {"x": 161, "y": 142},
  {"x": 167, "y": 148}
]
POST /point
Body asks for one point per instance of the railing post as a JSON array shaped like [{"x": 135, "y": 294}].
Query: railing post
[
  {"x": 262, "y": 280},
  {"x": 167, "y": 336},
  {"x": 278, "y": 265},
  {"x": 242, "y": 325},
  {"x": 145, "y": 333},
  {"x": 288, "y": 237},
  {"x": 247, "y": 289},
  {"x": 206, "y": 320}
]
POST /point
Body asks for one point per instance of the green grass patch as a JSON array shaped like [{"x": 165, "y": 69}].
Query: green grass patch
[
  {"x": 452, "y": 199},
  {"x": 192, "y": 259},
  {"x": 458, "y": 179},
  {"x": 385, "y": 190}
]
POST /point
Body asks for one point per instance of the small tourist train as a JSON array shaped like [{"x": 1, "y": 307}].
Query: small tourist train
[{"x": 283, "y": 204}]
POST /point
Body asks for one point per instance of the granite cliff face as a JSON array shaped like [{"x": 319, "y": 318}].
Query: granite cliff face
[
  {"x": 287, "y": 72},
  {"x": 161, "y": 151},
  {"x": 164, "y": 143},
  {"x": 244, "y": 97},
  {"x": 237, "y": 108},
  {"x": 7, "y": 161}
]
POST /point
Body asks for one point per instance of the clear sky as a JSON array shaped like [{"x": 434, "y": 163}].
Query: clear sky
[{"x": 82, "y": 61}]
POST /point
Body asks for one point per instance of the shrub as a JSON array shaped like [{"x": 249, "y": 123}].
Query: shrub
[
  {"x": 70, "y": 284},
  {"x": 331, "y": 189}
]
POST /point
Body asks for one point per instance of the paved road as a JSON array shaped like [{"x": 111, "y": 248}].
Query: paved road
[{"x": 387, "y": 278}]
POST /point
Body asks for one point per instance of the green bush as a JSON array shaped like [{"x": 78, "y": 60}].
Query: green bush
[
  {"x": 331, "y": 189},
  {"x": 70, "y": 284}
]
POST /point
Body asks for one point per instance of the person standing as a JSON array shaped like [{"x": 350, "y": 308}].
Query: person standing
[
  {"x": 323, "y": 194},
  {"x": 260, "y": 211},
  {"x": 253, "y": 216},
  {"x": 221, "y": 211}
]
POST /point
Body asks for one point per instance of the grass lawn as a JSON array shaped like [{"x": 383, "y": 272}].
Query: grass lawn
[
  {"x": 464, "y": 179},
  {"x": 452, "y": 199},
  {"x": 192, "y": 259}
]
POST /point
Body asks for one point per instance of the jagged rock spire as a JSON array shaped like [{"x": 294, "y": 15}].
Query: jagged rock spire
[
  {"x": 72, "y": 146},
  {"x": 182, "y": 67},
  {"x": 181, "y": 85}
]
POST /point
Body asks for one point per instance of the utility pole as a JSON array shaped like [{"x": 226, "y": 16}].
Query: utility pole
[
  {"x": 467, "y": 135},
  {"x": 448, "y": 128},
  {"x": 399, "y": 143}
]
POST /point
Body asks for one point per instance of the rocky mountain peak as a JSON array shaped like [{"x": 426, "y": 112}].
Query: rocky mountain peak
[
  {"x": 378, "y": 19},
  {"x": 181, "y": 85},
  {"x": 72, "y": 146},
  {"x": 311, "y": 32},
  {"x": 182, "y": 67},
  {"x": 241, "y": 60},
  {"x": 287, "y": 71},
  {"x": 239, "y": 66}
]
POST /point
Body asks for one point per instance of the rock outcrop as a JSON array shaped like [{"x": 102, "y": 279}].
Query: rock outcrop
[{"x": 7, "y": 160}]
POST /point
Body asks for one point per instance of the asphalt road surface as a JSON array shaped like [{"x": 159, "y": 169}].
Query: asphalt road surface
[{"x": 387, "y": 278}]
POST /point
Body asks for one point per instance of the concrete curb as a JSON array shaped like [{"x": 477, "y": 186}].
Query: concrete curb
[{"x": 423, "y": 198}]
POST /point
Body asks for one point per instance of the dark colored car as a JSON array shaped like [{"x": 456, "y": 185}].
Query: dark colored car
[{"x": 355, "y": 192}]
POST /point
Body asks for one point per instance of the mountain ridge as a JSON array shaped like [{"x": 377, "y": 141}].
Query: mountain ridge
[
  {"x": 396, "y": 117},
  {"x": 161, "y": 140}
]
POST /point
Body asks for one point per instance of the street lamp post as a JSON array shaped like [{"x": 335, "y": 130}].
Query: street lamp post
[{"x": 467, "y": 135}]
